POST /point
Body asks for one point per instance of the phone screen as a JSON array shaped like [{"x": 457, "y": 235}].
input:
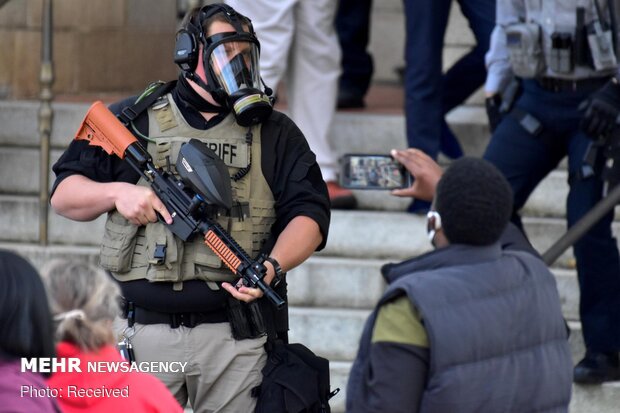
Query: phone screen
[{"x": 359, "y": 171}]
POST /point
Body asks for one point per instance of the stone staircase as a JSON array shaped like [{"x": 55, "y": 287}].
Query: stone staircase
[{"x": 334, "y": 291}]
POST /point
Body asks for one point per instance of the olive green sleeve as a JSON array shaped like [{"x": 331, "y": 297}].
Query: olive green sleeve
[{"x": 398, "y": 321}]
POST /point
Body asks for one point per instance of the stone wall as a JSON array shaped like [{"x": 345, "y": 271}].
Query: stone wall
[
  {"x": 110, "y": 46},
  {"x": 100, "y": 46}
]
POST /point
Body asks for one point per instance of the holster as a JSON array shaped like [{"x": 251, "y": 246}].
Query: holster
[
  {"x": 259, "y": 317},
  {"x": 246, "y": 320}
]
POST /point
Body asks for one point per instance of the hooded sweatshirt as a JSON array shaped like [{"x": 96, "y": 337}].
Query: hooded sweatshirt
[
  {"x": 104, "y": 392},
  {"x": 23, "y": 392}
]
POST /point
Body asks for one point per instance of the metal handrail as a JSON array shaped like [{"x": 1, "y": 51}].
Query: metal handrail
[{"x": 46, "y": 115}]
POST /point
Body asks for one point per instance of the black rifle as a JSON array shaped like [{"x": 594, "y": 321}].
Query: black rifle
[{"x": 204, "y": 184}]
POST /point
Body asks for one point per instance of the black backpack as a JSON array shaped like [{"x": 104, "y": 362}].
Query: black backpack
[{"x": 295, "y": 380}]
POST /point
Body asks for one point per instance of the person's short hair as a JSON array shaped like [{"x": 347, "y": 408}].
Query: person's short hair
[
  {"x": 26, "y": 328},
  {"x": 193, "y": 17},
  {"x": 84, "y": 300},
  {"x": 474, "y": 201}
]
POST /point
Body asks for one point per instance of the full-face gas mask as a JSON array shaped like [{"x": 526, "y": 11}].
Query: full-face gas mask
[{"x": 231, "y": 62}]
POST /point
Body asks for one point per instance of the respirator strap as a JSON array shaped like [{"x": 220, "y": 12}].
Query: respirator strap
[
  {"x": 130, "y": 113},
  {"x": 196, "y": 79},
  {"x": 189, "y": 95}
]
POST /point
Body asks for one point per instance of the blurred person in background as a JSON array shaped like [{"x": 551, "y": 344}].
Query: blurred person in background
[
  {"x": 429, "y": 92},
  {"x": 85, "y": 301},
  {"x": 564, "y": 54},
  {"x": 26, "y": 330},
  {"x": 299, "y": 44},
  {"x": 353, "y": 27}
]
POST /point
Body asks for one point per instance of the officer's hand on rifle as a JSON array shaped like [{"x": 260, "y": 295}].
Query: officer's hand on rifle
[
  {"x": 425, "y": 171},
  {"x": 139, "y": 204},
  {"x": 247, "y": 294},
  {"x": 601, "y": 110}
]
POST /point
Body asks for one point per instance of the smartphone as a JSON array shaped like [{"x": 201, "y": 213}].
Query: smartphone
[{"x": 373, "y": 171}]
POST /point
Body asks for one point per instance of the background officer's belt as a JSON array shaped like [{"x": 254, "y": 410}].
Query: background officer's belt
[
  {"x": 571, "y": 85},
  {"x": 144, "y": 316}
]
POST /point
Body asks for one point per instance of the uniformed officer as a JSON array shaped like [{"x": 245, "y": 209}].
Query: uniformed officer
[
  {"x": 565, "y": 53},
  {"x": 174, "y": 291}
]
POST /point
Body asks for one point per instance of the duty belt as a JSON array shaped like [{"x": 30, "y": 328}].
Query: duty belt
[
  {"x": 175, "y": 320},
  {"x": 553, "y": 84}
]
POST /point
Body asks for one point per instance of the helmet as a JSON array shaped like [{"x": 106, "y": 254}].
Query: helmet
[{"x": 231, "y": 63}]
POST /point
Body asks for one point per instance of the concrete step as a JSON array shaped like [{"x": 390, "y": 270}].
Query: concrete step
[
  {"x": 20, "y": 223},
  {"x": 397, "y": 235},
  {"x": 547, "y": 200},
  {"x": 342, "y": 291},
  {"x": 19, "y": 167},
  {"x": 334, "y": 333},
  {"x": 38, "y": 255},
  {"x": 320, "y": 282},
  {"x": 366, "y": 132},
  {"x": 326, "y": 282},
  {"x": 352, "y": 131},
  {"x": 19, "y": 123},
  {"x": 387, "y": 38},
  {"x": 19, "y": 159},
  {"x": 359, "y": 132},
  {"x": 353, "y": 234},
  {"x": 603, "y": 398}
]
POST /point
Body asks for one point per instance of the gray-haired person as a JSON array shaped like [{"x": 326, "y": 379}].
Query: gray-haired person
[{"x": 85, "y": 302}]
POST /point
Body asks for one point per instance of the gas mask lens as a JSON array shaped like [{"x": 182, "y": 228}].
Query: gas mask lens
[{"x": 235, "y": 66}]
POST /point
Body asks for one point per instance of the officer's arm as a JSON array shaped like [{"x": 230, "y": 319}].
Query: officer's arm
[
  {"x": 82, "y": 199},
  {"x": 296, "y": 243},
  {"x": 497, "y": 60}
]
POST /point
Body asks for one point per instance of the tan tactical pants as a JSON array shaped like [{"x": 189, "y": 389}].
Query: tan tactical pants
[{"x": 220, "y": 371}]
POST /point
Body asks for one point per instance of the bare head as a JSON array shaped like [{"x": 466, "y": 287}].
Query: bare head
[{"x": 84, "y": 301}]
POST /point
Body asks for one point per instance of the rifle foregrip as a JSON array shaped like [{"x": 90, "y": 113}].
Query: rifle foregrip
[
  {"x": 271, "y": 295},
  {"x": 233, "y": 262},
  {"x": 221, "y": 250}
]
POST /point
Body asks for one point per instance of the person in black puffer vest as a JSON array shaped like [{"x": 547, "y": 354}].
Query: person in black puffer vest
[{"x": 474, "y": 326}]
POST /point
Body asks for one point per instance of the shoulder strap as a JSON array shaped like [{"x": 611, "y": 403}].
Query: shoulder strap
[{"x": 130, "y": 113}]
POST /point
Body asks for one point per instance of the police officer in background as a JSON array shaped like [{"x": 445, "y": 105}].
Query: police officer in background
[
  {"x": 181, "y": 302},
  {"x": 565, "y": 54}
]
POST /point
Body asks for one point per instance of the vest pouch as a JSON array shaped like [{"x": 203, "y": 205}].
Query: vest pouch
[
  {"x": 162, "y": 253},
  {"x": 119, "y": 242},
  {"x": 241, "y": 231},
  {"x": 263, "y": 219},
  {"x": 524, "y": 44}
]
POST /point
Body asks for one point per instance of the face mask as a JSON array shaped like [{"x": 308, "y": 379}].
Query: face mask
[
  {"x": 232, "y": 66},
  {"x": 433, "y": 224}
]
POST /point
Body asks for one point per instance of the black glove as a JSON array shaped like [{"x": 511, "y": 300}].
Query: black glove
[
  {"x": 601, "y": 110},
  {"x": 493, "y": 104}
]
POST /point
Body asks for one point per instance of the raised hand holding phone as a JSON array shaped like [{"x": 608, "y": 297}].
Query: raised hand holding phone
[
  {"x": 373, "y": 171},
  {"x": 423, "y": 168}
]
